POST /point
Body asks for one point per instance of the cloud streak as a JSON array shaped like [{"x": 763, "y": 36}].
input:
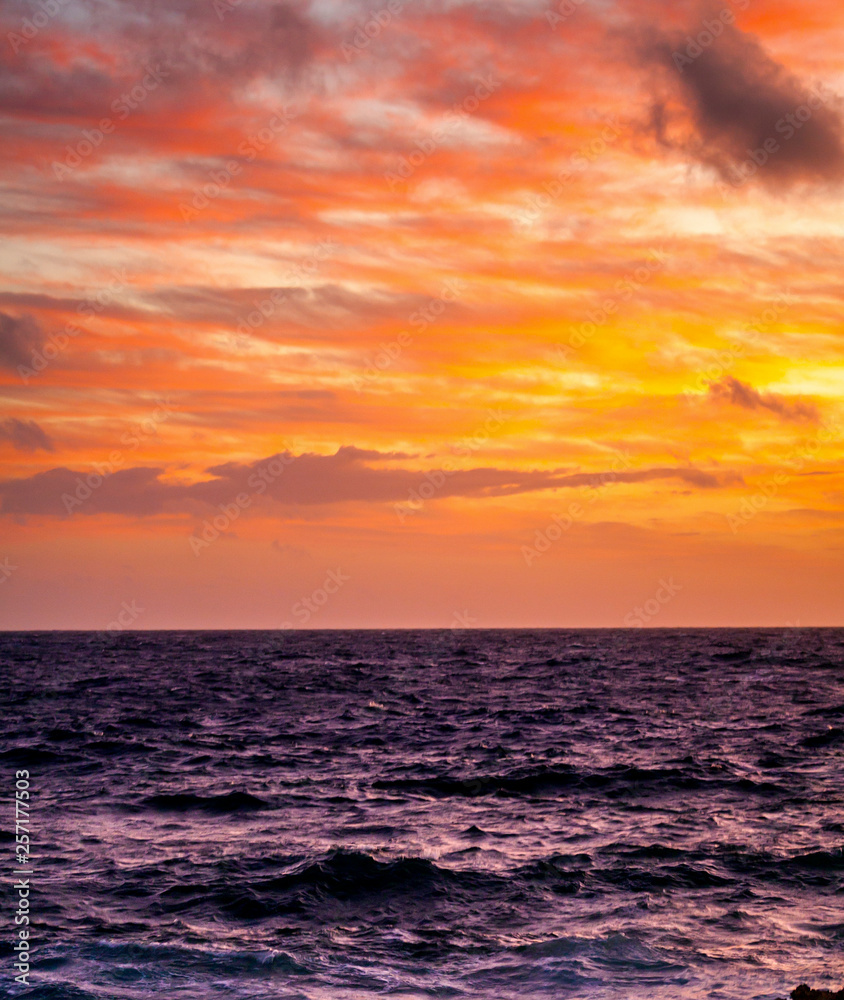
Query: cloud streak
[
  {"x": 350, "y": 475},
  {"x": 731, "y": 390}
]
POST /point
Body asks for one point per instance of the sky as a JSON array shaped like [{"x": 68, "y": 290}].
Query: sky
[{"x": 435, "y": 313}]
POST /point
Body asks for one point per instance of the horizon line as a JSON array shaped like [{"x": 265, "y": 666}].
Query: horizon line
[{"x": 437, "y": 628}]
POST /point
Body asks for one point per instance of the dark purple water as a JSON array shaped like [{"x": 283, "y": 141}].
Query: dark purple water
[{"x": 496, "y": 814}]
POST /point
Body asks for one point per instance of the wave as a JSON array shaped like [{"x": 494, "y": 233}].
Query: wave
[
  {"x": 186, "y": 958},
  {"x": 54, "y": 991},
  {"x": 832, "y": 737},
  {"x": 835, "y": 711},
  {"x": 341, "y": 875},
  {"x": 32, "y": 755},
  {"x": 352, "y": 872},
  {"x": 358, "y": 878},
  {"x": 616, "y": 950},
  {"x": 825, "y": 860},
  {"x": 231, "y": 802},
  {"x": 618, "y": 778},
  {"x": 119, "y": 963}
]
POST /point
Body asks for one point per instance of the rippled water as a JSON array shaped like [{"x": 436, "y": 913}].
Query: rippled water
[{"x": 494, "y": 814}]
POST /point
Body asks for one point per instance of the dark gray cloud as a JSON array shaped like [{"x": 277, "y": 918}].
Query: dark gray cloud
[
  {"x": 350, "y": 475},
  {"x": 730, "y": 390},
  {"x": 73, "y": 92},
  {"x": 193, "y": 47},
  {"x": 728, "y": 104},
  {"x": 25, "y": 435},
  {"x": 59, "y": 492},
  {"x": 19, "y": 337}
]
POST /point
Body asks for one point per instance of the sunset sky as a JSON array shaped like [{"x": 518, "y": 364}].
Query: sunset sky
[{"x": 447, "y": 313}]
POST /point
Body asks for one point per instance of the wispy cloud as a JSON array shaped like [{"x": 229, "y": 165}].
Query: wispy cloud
[{"x": 731, "y": 390}]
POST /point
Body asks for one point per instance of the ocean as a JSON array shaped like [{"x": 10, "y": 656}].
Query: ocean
[{"x": 340, "y": 815}]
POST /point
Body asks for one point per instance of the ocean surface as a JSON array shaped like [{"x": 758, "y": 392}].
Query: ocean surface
[{"x": 482, "y": 814}]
